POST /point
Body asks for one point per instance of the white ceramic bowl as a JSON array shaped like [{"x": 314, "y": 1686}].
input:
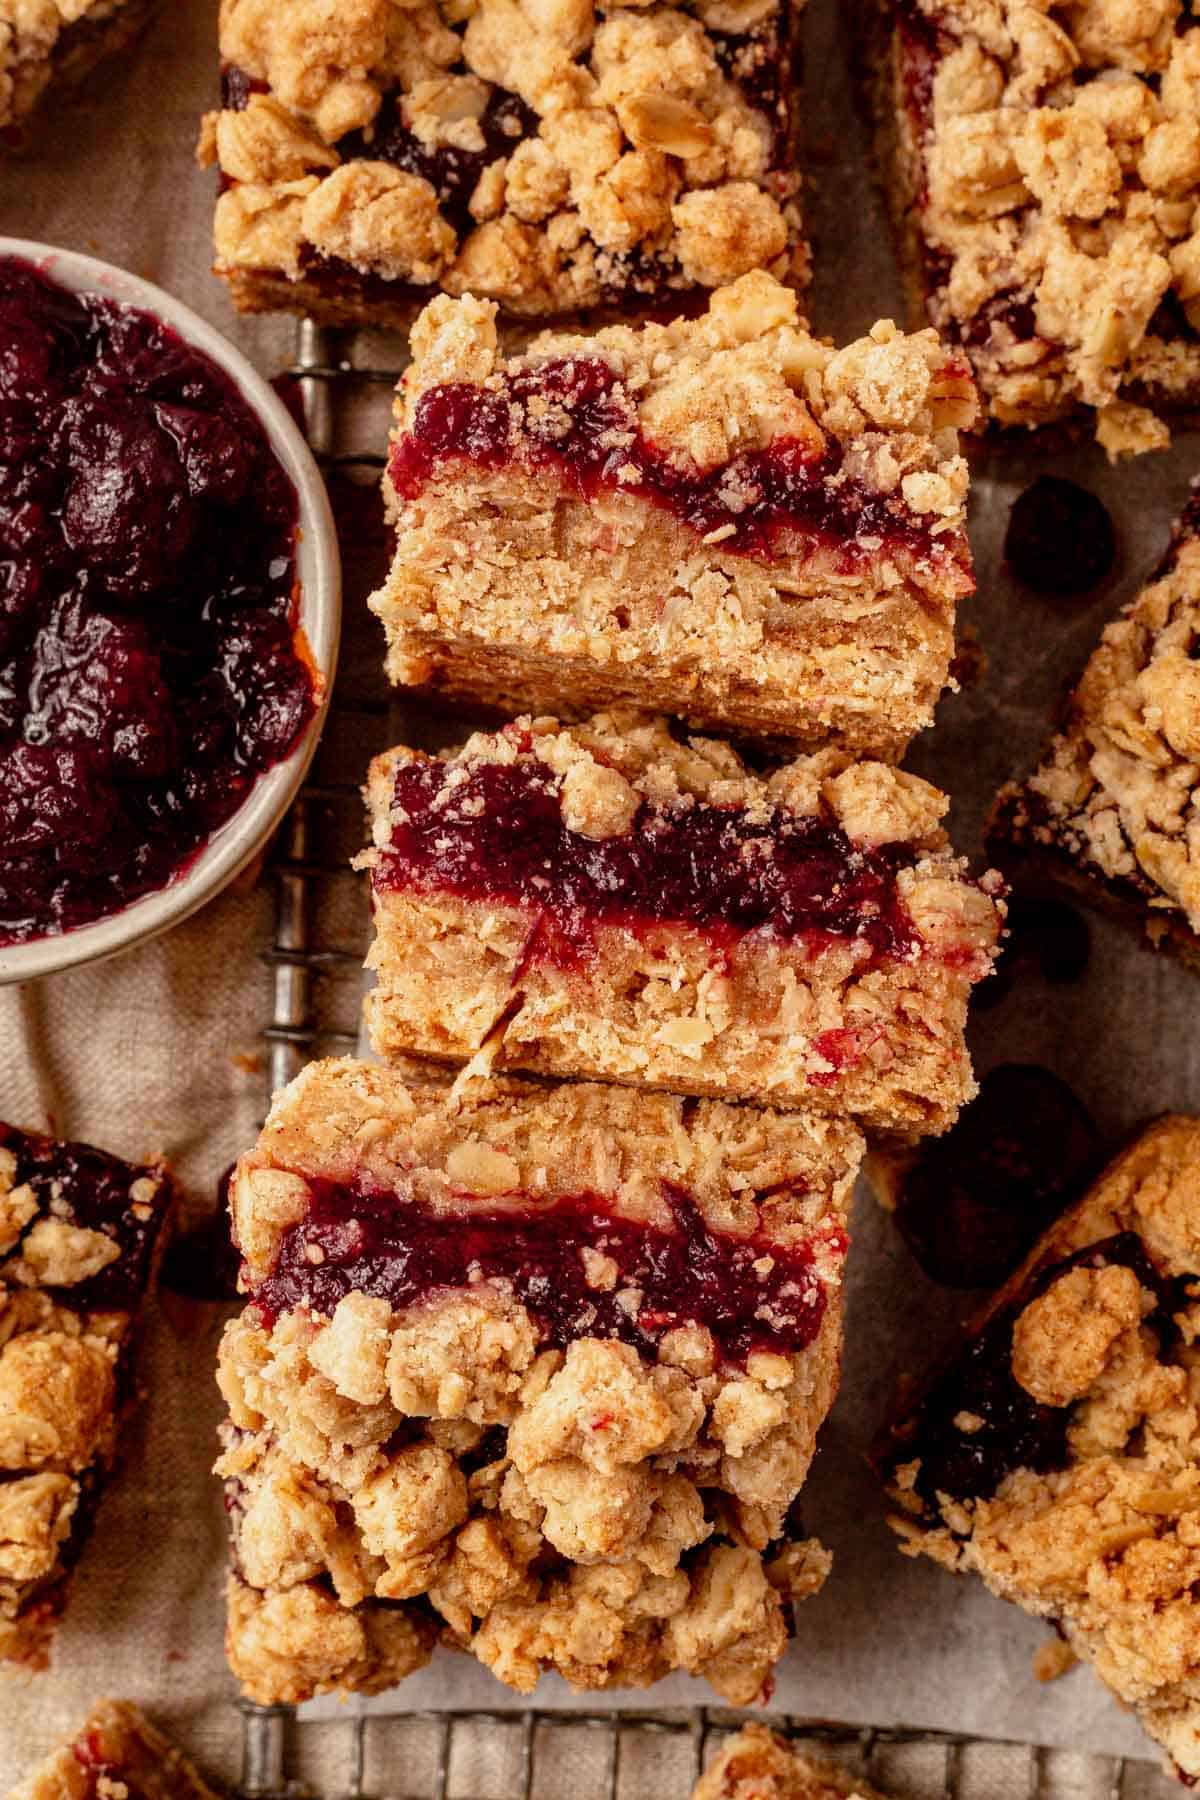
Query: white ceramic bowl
[{"x": 243, "y": 836}]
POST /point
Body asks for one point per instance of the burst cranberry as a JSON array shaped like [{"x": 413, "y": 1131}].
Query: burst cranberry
[
  {"x": 48, "y": 798},
  {"x": 97, "y": 681}
]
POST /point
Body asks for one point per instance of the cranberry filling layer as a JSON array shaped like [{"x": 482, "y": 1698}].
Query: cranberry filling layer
[
  {"x": 499, "y": 835},
  {"x": 76, "y": 1185},
  {"x": 149, "y": 669},
  {"x": 1009, "y": 1428},
  {"x": 645, "y": 1280},
  {"x": 573, "y": 415}
]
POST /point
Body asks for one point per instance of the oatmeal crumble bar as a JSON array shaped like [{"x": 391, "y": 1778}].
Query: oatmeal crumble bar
[
  {"x": 115, "y": 1755},
  {"x": 608, "y": 900},
  {"x": 1112, "y": 807},
  {"x": 80, "y": 1237},
  {"x": 60, "y": 42},
  {"x": 535, "y": 1370},
  {"x": 1046, "y": 166},
  {"x": 755, "y": 1764},
  {"x": 1058, "y": 1455},
  {"x": 552, "y": 155},
  {"x": 721, "y": 517}
]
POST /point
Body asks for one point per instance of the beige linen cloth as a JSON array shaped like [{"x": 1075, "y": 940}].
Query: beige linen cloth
[{"x": 99, "y": 1053}]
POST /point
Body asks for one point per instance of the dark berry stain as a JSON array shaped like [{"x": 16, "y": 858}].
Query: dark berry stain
[
  {"x": 750, "y": 1292},
  {"x": 148, "y": 665},
  {"x": 977, "y": 1199},
  {"x": 499, "y": 834},
  {"x": 1042, "y": 933},
  {"x": 572, "y": 415},
  {"x": 1060, "y": 538}
]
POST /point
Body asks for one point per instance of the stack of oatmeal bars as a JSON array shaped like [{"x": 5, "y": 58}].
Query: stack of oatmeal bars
[{"x": 544, "y": 1309}]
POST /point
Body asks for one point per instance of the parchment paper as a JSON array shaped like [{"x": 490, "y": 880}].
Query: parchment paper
[{"x": 157, "y": 1050}]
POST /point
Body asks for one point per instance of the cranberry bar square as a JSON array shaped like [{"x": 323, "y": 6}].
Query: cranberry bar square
[
  {"x": 115, "y": 1755},
  {"x": 57, "y": 43},
  {"x": 756, "y": 1764},
  {"x": 722, "y": 518},
  {"x": 535, "y": 1370},
  {"x": 1057, "y": 1455},
  {"x": 1045, "y": 167},
  {"x": 616, "y": 901},
  {"x": 552, "y": 155},
  {"x": 80, "y": 1237},
  {"x": 1111, "y": 809}
]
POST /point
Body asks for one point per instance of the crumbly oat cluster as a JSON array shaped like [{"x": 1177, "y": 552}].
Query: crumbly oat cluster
[
  {"x": 755, "y": 1764},
  {"x": 79, "y": 1234},
  {"x": 596, "y": 1506},
  {"x": 43, "y": 40},
  {"x": 1059, "y": 1457},
  {"x": 854, "y": 1009},
  {"x": 809, "y": 599},
  {"x": 550, "y": 154},
  {"x": 115, "y": 1755},
  {"x": 1113, "y": 800},
  {"x": 1051, "y": 155}
]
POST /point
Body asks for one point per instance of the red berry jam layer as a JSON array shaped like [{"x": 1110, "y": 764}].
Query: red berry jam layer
[
  {"x": 1009, "y": 1429},
  {"x": 499, "y": 835},
  {"x": 76, "y": 1185},
  {"x": 149, "y": 667},
  {"x": 572, "y": 415},
  {"x": 747, "y": 1291}
]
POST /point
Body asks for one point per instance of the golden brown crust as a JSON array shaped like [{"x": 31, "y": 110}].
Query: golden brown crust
[
  {"x": 506, "y": 580},
  {"x": 632, "y": 164},
  {"x": 651, "y": 1007},
  {"x": 1099, "y": 1328},
  {"x": 1058, "y": 210},
  {"x": 756, "y": 1764},
  {"x": 1114, "y": 792},
  {"x": 546, "y": 1502},
  {"x": 123, "y": 1755}
]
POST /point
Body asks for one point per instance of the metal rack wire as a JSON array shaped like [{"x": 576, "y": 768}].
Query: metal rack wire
[
  {"x": 534, "y": 1754},
  {"x": 520, "y": 1754}
]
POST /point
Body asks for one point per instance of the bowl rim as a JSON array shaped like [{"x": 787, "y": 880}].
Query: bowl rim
[{"x": 318, "y": 566}]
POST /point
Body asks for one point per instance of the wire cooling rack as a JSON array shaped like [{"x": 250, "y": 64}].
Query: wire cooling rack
[{"x": 345, "y": 385}]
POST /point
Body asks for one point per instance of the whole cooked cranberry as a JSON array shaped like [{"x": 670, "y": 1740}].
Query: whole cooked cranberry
[
  {"x": 96, "y": 681},
  {"x": 126, "y": 512},
  {"x": 1060, "y": 537},
  {"x": 270, "y": 697},
  {"x": 217, "y": 461},
  {"x": 976, "y": 1200}
]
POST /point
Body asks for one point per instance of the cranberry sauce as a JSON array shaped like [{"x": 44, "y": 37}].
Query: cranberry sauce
[
  {"x": 1009, "y": 1428},
  {"x": 572, "y": 415},
  {"x": 750, "y": 1293},
  {"x": 80, "y": 1186},
  {"x": 148, "y": 662},
  {"x": 500, "y": 835}
]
